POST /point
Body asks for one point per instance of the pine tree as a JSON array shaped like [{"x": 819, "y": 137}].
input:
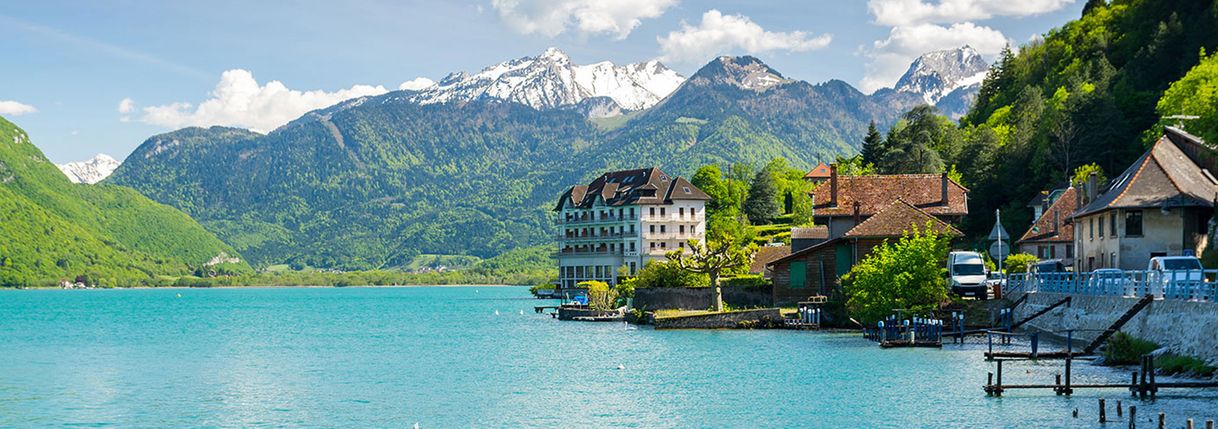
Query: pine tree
[
  {"x": 762, "y": 206},
  {"x": 873, "y": 145}
]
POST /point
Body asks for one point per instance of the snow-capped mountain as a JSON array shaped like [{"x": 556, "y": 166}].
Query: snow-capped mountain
[
  {"x": 91, "y": 171},
  {"x": 936, "y": 74},
  {"x": 551, "y": 80}
]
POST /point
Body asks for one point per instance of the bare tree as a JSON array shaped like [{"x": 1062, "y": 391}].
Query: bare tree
[
  {"x": 1064, "y": 150},
  {"x": 712, "y": 259}
]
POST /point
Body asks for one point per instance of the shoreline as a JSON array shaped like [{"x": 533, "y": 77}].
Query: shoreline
[{"x": 260, "y": 287}]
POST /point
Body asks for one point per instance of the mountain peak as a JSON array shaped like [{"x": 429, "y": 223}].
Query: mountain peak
[
  {"x": 550, "y": 80},
  {"x": 91, "y": 171},
  {"x": 936, "y": 74},
  {"x": 746, "y": 72}
]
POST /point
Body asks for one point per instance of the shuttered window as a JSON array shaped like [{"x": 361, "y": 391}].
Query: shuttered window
[{"x": 799, "y": 274}]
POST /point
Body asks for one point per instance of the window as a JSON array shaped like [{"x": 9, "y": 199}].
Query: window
[
  {"x": 1101, "y": 219},
  {"x": 632, "y": 247},
  {"x": 1070, "y": 250},
  {"x": 663, "y": 244},
  {"x": 653, "y": 245},
  {"x": 682, "y": 229},
  {"x": 1091, "y": 228},
  {"x": 653, "y": 211},
  {"x": 799, "y": 274},
  {"x": 1041, "y": 252},
  {"x": 662, "y": 212},
  {"x": 1112, "y": 259},
  {"x": 686, "y": 189},
  {"x": 1133, "y": 223},
  {"x": 1112, "y": 224},
  {"x": 653, "y": 228},
  {"x": 693, "y": 211},
  {"x": 632, "y": 212},
  {"x": 663, "y": 229},
  {"x": 681, "y": 245},
  {"x": 1052, "y": 252},
  {"x": 682, "y": 212},
  {"x": 632, "y": 265}
]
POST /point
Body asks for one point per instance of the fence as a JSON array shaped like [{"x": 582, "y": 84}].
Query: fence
[{"x": 1189, "y": 285}]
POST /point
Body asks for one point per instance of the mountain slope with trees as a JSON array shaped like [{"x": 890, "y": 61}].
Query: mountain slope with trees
[{"x": 99, "y": 234}]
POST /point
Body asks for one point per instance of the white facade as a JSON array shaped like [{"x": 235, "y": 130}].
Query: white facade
[
  {"x": 595, "y": 242},
  {"x": 1138, "y": 235}
]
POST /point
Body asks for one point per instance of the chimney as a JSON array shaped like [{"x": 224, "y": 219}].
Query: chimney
[
  {"x": 833, "y": 185},
  {"x": 858, "y": 218},
  {"x": 943, "y": 188},
  {"x": 1091, "y": 185}
]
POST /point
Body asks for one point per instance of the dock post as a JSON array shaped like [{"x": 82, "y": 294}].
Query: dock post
[
  {"x": 1120, "y": 412},
  {"x": 1150, "y": 367},
  {"x": 1209, "y": 424},
  {"x": 1035, "y": 343},
  {"x": 989, "y": 336},
  {"x": 1142, "y": 383},
  {"x": 1057, "y": 384},
  {"x": 999, "y": 391},
  {"x": 1162, "y": 420},
  {"x": 1188, "y": 424},
  {"x": 1133, "y": 417},
  {"x": 1103, "y": 417},
  {"x": 989, "y": 383},
  {"x": 1133, "y": 384},
  {"x": 1067, "y": 390}
]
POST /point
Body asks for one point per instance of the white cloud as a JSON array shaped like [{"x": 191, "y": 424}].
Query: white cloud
[
  {"x": 10, "y": 107},
  {"x": 417, "y": 83},
  {"x": 891, "y": 57},
  {"x": 719, "y": 34},
  {"x": 912, "y": 12},
  {"x": 239, "y": 101},
  {"x": 553, "y": 17},
  {"x": 126, "y": 105}
]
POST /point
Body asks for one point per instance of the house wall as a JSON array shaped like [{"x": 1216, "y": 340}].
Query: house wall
[
  {"x": 1167, "y": 234},
  {"x": 1052, "y": 250},
  {"x": 612, "y": 237},
  {"x": 821, "y": 271}
]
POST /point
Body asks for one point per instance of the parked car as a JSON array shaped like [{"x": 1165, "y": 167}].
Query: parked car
[
  {"x": 1109, "y": 281},
  {"x": 1049, "y": 266},
  {"x": 966, "y": 274},
  {"x": 1174, "y": 274}
]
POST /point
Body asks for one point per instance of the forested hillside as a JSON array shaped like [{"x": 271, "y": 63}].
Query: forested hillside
[
  {"x": 1086, "y": 93},
  {"x": 103, "y": 235}
]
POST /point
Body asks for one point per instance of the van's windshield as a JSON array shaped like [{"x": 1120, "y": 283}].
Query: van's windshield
[
  {"x": 1181, "y": 264},
  {"x": 970, "y": 269}
]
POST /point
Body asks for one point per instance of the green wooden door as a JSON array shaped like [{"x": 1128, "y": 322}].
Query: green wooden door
[
  {"x": 799, "y": 274},
  {"x": 844, "y": 259}
]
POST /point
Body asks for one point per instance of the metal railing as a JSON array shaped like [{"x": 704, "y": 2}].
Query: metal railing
[
  {"x": 1188, "y": 285},
  {"x": 590, "y": 219},
  {"x": 597, "y": 237}
]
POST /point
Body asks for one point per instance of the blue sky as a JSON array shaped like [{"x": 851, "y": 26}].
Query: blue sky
[{"x": 71, "y": 64}]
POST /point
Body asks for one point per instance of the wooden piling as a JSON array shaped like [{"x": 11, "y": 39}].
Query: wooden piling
[
  {"x": 1133, "y": 417},
  {"x": 1162, "y": 420},
  {"x": 1120, "y": 412},
  {"x": 1188, "y": 424},
  {"x": 1150, "y": 367},
  {"x": 1209, "y": 424},
  {"x": 1076, "y": 413},
  {"x": 1103, "y": 417}
]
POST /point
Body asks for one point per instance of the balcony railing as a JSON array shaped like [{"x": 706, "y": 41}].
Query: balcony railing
[
  {"x": 597, "y": 237},
  {"x": 563, "y": 253},
  {"x": 667, "y": 219},
  {"x": 1186, "y": 285},
  {"x": 590, "y": 220}
]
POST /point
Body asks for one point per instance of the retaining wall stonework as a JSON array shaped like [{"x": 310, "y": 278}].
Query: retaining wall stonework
[
  {"x": 1188, "y": 328},
  {"x": 764, "y": 318}
]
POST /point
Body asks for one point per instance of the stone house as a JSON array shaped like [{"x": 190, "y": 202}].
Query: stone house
[
  {"x": 1161, "y": 205},
  {"x": 815, "y": 270}
]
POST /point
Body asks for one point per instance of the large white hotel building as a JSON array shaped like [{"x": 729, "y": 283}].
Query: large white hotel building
[{"x": 625, "y": 218}]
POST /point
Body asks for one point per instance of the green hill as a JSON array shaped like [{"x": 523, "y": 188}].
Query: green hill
[{"x": 105, "y": 234}]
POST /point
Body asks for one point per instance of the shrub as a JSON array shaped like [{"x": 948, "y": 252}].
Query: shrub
[
  {"x": 908, "y": 274},
  {"x": 1124, "y": 349},
  {"x": 667, "y": 274},
  {"x": 1172, "y": 364},
  {"x": 751, "y": 281},
  {"x": 600, "y": 295},
  {"x": 1019, "y": 262}
]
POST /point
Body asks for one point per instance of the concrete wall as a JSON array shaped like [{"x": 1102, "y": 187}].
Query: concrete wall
[
  {"x": 1189, "y": 328},
  {"x": 766, "y": 318},
  {"x": 681, "y": 298}
]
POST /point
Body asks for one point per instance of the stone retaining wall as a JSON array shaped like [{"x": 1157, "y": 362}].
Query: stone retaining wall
[
  {"x": 764, "y": 318},
  {"x": 679, "y": 298},
  {"x": 1188, "y": 328}
]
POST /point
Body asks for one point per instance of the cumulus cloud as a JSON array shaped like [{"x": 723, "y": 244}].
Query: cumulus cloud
[
  {"x": 891, "y": 57},
  {"x": 14, "y": 108},
  {"x": 719, "y": 34},
  {"x": 126, "y": 105},
  {"x": 553, "y": 17},
  {"x": 417, "y": 83},
  {"x": 911, "y": 12},
  {"x": 239, "y": 101}
]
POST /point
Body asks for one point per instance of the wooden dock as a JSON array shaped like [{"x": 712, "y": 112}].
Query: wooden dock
[{"x": 1142, "y": 383}]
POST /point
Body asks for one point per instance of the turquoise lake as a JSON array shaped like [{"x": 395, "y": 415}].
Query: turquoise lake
[{"x": 452, "y": 357}]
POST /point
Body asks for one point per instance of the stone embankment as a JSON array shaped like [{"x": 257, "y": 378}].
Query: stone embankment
[{"x": 744, "y": 319}]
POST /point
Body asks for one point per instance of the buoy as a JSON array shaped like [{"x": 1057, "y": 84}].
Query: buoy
[
  {"x": 521, "y": 312},
  {"x": 621, "y": 366},
  {"x": 179, "y": 295},
  {"x": 496, "y": 312}
]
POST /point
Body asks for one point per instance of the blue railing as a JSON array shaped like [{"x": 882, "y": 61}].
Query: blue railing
[{"x": 1188, "y": 285}]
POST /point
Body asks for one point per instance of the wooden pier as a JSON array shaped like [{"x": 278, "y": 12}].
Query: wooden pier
[{"x": 1142, "y": 383}]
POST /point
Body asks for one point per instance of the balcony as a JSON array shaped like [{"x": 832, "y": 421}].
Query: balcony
[
  {"x": 596, "y": 237},
  {"x": 673, "y": 219},
  {"x": 682, "y": 236},
  {"x": 596, "y": 252},
  {"x": 590, "y": 220}
]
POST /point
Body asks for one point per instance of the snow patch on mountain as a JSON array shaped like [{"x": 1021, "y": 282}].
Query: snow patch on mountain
[
  {"x": 936, "y": 74},
  {"x": 91, "y": 171},
  {"x": 551, "y": 80}
]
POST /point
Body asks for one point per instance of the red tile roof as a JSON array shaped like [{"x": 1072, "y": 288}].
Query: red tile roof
[
  {"x": 819, "y": 172},
  {"x": 875, "y": 192},
  {"x": 765, "y": 255},
  {"x": 810, "y": 232},
  {"x": 1044, "y": 230},
  {"x": 896, "y": 219}
]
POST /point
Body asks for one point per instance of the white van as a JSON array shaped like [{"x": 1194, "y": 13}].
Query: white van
[{"x": 966, "y": 274}]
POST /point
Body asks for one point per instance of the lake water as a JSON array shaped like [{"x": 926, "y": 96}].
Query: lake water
[{"x": 441, "y": 357}]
